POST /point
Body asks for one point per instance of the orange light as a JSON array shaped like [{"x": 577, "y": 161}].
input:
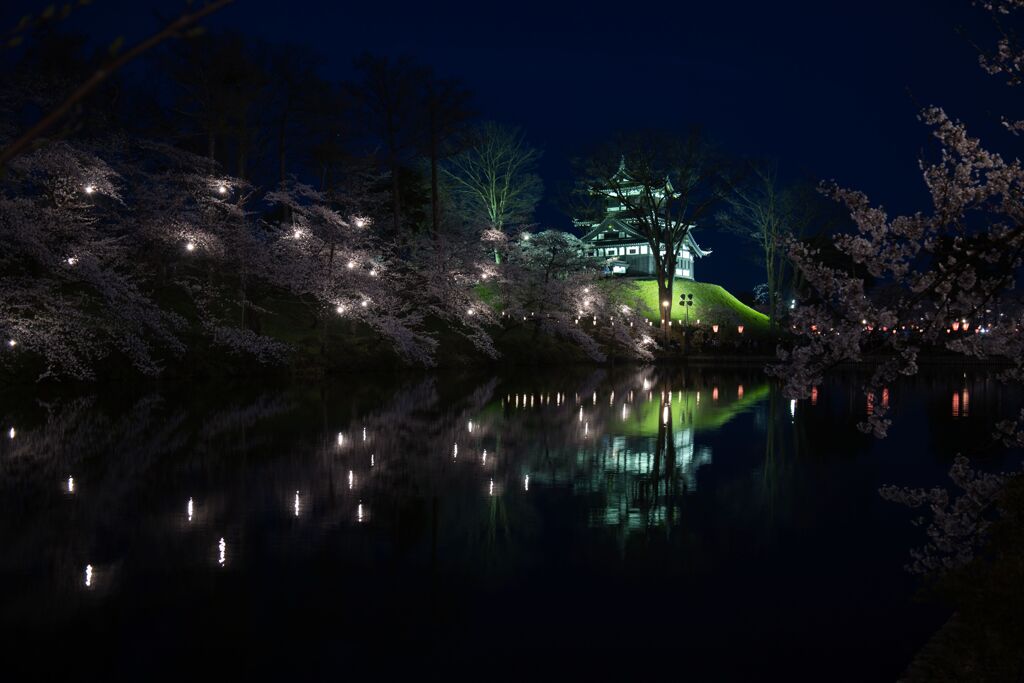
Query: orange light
[
  {"x": 956, "y": 325},
  {"x": 739, "y": 328},
  {"x": 714, "y": 328}
]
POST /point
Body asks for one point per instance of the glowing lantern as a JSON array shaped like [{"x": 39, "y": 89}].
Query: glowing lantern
[
  {"x": 714, "y": 328},
  {"x": 956, "y": 325},
  {"x": 739, "y": 328}
]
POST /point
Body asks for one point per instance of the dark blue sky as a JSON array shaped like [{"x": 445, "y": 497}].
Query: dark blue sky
[{"x": 829, "y": 89}]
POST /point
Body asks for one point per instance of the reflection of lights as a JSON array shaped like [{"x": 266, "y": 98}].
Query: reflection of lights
[
  {"x": 455, "y": 451},
  {"x": 71, "y": 484},
  {"x": 814, "y": 396},
  {"x": 189, "y": 509},
  {"x": 222, "y": 548},
  {"x": 296, "y": 506},
  {"x": 341, "y": 439},
  {"x": 664, "y": 415},
  {"x": 359, "y": 513},
  {"x": 12, "y": 433},
  {"x": 88, "y": 576},
  {"x": 490, "y": 488},
  {"x": 364, "y": 433},
  {"x": 625, "y": 412},
  {"x": 470, "y": 426},
  {"x": 371, "y": 460},
  {"x": 351, "y": 479},
  {"x": 714, "y": 394},
  {"x": 581, "y": 413},
  {"x": 594, "y": 399},
  {"x": 586, "y": 428},
  {"x": 792, "y": 408},
  {"x": 739, "y": 391},
  {"x": 483, "y": 458},
  {"x": 526, "y": 483}
]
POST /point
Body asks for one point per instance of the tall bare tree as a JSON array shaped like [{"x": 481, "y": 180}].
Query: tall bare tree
[
  {"x": 495, "y": 177},
  {"x": 446, "y": 108},
  {"x": 760, "y": 210},
  {"x": 388, "y": 101}
]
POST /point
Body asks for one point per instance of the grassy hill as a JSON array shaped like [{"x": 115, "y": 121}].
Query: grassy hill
[{"x": 711, "y": 305}]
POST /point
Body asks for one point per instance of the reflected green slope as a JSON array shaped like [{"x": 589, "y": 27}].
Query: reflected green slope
[{"x": 696, "y": 409}]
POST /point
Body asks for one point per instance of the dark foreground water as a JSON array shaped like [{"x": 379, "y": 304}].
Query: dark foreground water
[{"x": 627, "y": 523}]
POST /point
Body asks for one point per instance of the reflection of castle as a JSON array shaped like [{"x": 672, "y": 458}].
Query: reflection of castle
[
  {"x": 625, "y": 464},
  {"x": 635, "y": 452}
]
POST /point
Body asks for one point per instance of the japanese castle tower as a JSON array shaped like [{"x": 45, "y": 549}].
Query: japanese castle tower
[{"x": 616, "y": 235}]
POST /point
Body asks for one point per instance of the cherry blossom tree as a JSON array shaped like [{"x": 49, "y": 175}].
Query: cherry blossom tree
[
  {"x": 552, "y": 286},
  {"x": 942, "y": 279}
]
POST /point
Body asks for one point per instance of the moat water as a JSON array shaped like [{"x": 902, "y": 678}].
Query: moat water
[{"x": 629, "y": 522}]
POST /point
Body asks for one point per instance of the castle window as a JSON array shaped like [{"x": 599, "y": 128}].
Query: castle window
[{"x": 631, "y": 251}]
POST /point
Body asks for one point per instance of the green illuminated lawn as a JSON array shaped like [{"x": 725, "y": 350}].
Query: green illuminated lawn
[{"x": 711, "y": 304}]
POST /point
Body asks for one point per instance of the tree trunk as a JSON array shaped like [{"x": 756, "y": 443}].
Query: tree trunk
[
  {"x": 435, "y": 209},
  {"x": 395, "y": 196}
]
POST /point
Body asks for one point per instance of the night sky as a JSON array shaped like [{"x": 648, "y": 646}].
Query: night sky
[{"x": 829, "y": 89}]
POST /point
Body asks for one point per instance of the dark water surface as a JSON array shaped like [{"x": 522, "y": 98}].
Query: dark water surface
[{"x": 631, "y": 522}]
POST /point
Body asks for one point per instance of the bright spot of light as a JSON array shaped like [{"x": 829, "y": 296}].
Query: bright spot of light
[
  {"x": 526, "y": 483},
  {"x": 296, "y": 506},
  {"x": 470, "y": 426},
  {"x": 455, "y": 452},
  {"x": 191, "y": 246},
  {"x": 71, "y": 484},
  {"x": 72, "y": 260},
  {"x": 341, "y": 439},
  {"x": 89, "y": 189},
  {"x": 351, "y": 265},
  {"x": 222, "y": 548},
  {"x": 792, "y": 408},
  {"x": 351, "y": 479},
  {"x": 12, "y": 433},
  {"x": 359, "y": 512},
  {"x": 222, "y": 189},
  {"x": 189, "y": 509},
  {"x": 340, "y": 309},
  {"x": 88, "y": 576},
  {"x": 490, "y": 488}
]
